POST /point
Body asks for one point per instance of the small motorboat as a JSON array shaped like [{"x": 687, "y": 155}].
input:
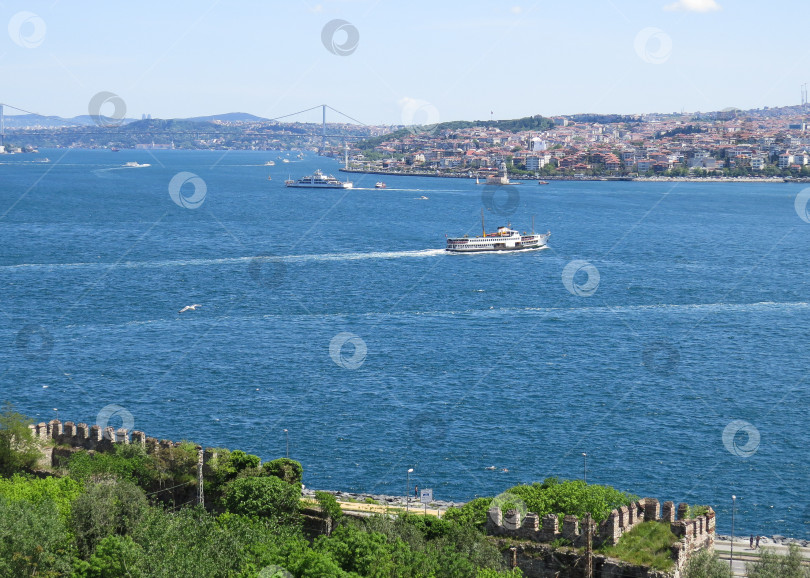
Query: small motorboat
[
  {"x": 542, "y": 182},
  {"x": 379, "y": 185}
]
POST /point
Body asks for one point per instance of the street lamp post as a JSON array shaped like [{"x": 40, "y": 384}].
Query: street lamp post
[
  {"x": 733, "y": 507},
  {"x": 585, "y": 467},
  {"x": 287, "y": 435},
  {"x": 408, "y": 492}
]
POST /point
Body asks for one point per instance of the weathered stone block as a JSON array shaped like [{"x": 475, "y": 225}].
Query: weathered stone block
[
  {"x": 494, "y": 519},
  {"x": 678, "y": 528},
  {"x": 121, "y": 436},
  {"x": 632, "y": 514},
  {"x": 95, "y": 433},
  {"x": 139, "y": 438},
  {"x": 609, "y": 530},
  {"x": 550, "y": 528},
  {"x": 624, "y": 517},
  {"x": 532, "y": 522},
  {"x": 82, "y": 432},
  {"x": 668, "y": 514},
  {"x": 683, "y": 509},
  {"x": 511, "y": 521},
  {"x": 570, "y": 529},
  {"x": 69, "y": 429},
  {"x": 652, "y": 509}
]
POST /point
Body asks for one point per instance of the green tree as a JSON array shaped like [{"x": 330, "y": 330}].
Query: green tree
[
  {"x": 127, "y": 462},
  {"x": 288, "y": 470},
  {"x": 33, "y": 540},
  {"x": 329, "y": 506},
  {"x": 773, "y": 565},
  {"x": 240, "y": 460},
  {"x": 18, "y": 449},
  {"x": 473, "y": 513},
  {"x": 115, "y": 557},
  {"x": 267, "y": 497},
  {"x": 59, "y": 491},
  {"x": 707, "y": 564},
  {"x": 112, "y": 507},
  {"x": 575, "y": 497}
]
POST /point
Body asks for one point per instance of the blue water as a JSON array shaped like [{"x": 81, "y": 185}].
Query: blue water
[{"x": 700, "y": 318}]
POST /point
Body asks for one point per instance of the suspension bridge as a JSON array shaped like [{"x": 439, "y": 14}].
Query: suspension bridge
[{"x": 110, "y": 126}]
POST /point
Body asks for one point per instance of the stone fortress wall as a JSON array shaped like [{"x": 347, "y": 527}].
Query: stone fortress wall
[
  {"x": 694, "y": 534},
  {"x": 82, "y": 436}
]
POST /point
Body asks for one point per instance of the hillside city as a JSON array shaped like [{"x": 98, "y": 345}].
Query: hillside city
[{"x": 758, "y": 143}]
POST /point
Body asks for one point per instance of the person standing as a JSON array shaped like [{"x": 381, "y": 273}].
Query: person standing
[
  {"x": 757, "y": 540},
  {"x": 416, "y": 491},
  {"x": 751, "y": 542}
]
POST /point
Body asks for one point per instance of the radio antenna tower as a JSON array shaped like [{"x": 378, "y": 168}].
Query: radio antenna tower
[{"x": 804, "y": 95}]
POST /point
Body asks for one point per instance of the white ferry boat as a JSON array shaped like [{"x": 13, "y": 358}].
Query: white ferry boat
[
  {"x": 318, "y": 180},
  {"x": 134, "y": 165},
  {"x": 504, "y": 239}
]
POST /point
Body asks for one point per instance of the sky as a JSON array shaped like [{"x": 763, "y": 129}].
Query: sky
[{"x": 385, "y": 62}]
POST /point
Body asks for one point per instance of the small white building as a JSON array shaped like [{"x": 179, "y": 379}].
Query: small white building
[{"x": 757, "y": 163}]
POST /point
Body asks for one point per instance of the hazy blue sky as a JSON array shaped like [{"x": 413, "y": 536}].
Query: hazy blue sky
[{"x": 412, "y": 62}]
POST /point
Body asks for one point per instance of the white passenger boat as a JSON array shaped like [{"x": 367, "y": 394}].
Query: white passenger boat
[
  {"x": 504, "y": 239},
  {"x": 318, "y": 180}
]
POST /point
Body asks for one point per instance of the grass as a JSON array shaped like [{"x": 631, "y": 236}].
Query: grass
[{"x": 647, "y": 544}]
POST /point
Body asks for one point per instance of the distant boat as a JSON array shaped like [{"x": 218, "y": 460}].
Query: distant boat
[
  {"x": 269, "y": 178},
  {"x": 115, "y": 150},
  {"x": 379, "y": 185},
  {"x": 542, "y": 182},
  {"x": 285, "y": 160},
  {"x": 423, "y": 198},
  {"x": 134, "y": 165},
  {"x": 318, "y": 180},
  {"x": 270, "y": 164}
]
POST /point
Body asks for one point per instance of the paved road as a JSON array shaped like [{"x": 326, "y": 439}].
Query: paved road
[{"x": 743, "y": 553}]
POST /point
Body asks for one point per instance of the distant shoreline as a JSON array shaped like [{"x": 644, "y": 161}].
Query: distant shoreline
[{"x": 602, "y": 179}]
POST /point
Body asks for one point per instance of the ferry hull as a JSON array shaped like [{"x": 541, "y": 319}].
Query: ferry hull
[{"x": 492, "y": 245}]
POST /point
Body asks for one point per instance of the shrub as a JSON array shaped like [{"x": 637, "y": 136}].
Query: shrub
[
  {"x": 286, "y": 469},
  {"x": 694, "y": 511},
  {"x": 240, "y": 460},
  {"x": 267, "y": 497},
  {"x": 105, "y": 509},
  {"x": 33, "y": 540},
  {"x": 575, "y": 497},
  {"x": 60, "y": 491},
  {"x": 647, "y": 544},
  {"x": 773, "y": 565},
  {"x": 18, "y": 448},
  {"x": 473, "y": 513},
  {"x": 114, "y": 556},
  {"x": 329, "y": 506},
  {"x": 706, "y": 564},
  {"x": 127, "y": 462}
]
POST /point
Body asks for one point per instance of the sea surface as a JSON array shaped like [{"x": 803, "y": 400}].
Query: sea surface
[{"x": 337, "y": 316}]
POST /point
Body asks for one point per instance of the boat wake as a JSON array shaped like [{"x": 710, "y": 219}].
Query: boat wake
[{"x": 420, "y": 254}]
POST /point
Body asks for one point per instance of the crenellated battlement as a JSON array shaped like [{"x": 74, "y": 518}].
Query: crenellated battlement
[
  {"x": 694, "y": 534},
  {"x": 94, "y": 437}
]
